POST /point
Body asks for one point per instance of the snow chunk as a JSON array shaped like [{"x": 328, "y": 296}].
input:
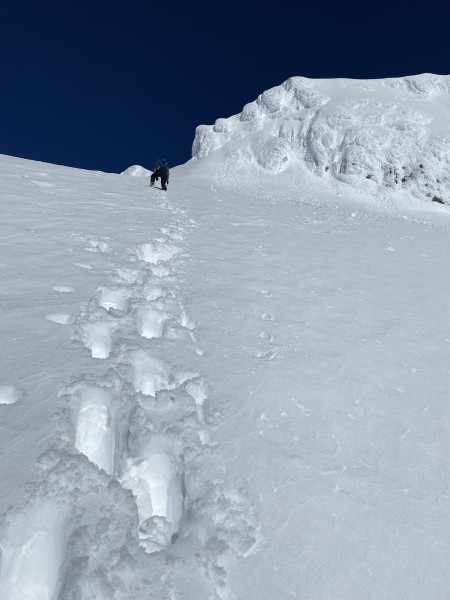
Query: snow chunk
[
  {"x": 153, "y": 252},
  {"x": 8, "y": 394},
  {"x": 150, "y": 375},
  {"x": 94, "y": 431}
]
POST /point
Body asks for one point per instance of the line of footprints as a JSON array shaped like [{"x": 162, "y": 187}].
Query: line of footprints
[
  {"x": 131, "y": 434},
  {"x": 140, "y": 305}
]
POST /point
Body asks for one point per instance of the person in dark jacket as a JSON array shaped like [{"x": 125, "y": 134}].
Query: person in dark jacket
[{"x": 161, "y": 170}]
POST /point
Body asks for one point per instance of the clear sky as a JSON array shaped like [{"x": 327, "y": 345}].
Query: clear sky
[{"x": 103, "y": 85}]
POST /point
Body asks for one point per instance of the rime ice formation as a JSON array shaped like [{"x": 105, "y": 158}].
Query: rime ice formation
[{"x": 387, "y": 133}]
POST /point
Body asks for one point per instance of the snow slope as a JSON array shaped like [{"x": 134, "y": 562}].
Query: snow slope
[
  {"x": 229, "y": 391},
  {"x": 374, "y": 134}
]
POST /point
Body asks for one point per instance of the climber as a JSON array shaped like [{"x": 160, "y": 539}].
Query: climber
[{"x": 161, "y": 170}]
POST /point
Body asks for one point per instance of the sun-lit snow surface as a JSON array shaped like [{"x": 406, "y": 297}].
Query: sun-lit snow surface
[
  {"x": 242, "y": 392},
  {"x": 392, "y": 133}
]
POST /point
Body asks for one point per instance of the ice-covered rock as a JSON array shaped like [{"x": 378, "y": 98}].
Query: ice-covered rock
[
  {"x": 137, "y": 171},
  {"x": 389, "y": 133}
]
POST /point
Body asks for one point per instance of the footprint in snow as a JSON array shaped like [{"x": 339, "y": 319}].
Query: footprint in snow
[
  {"x": 269, "y": 355},
  {"x": 186, "y": 321},
  {"x": 97, "y": 337},
  {"x": 149, "y": 375},
  {"x": 155, "y": 252},
  {"x": 99, "y": 245},
  {"x": 265, "y": 335},
  {"x": 267, "y": 317},
  {"x": 198, "y": 391},
  {"x": 95, "y": 432},
  {"x": 33, "y": 548},
  {"x": 117, "y": 298},
  {"x": 151, "y": 322},
  {"x": 130, "y": 276},
  {"x": 160, "y": 271},
  {"x": 154, "y": 293},
  {"x": 154, "y": 474}
]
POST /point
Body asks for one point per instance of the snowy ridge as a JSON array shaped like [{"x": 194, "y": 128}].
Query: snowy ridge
[{"x": 391, "y": 133}]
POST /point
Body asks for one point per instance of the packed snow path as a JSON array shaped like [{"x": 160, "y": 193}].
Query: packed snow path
[
  {"x": 136, "y": 412},
  {"x": 220, "y": 392}
]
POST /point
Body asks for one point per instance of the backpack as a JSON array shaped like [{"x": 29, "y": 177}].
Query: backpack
[{"x": 162, "y": 165}]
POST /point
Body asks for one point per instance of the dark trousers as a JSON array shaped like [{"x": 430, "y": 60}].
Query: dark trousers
[{"x": 164, "y": 177}]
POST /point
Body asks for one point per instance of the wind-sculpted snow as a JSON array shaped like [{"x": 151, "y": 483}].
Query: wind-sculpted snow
[{"x": 390, "y": 134}]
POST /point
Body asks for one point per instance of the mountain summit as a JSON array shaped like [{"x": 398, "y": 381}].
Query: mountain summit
[{"x": 386, "y": 133}]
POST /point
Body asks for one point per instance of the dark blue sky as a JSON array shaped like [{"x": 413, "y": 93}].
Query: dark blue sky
[{"x": 103, "y": 85}]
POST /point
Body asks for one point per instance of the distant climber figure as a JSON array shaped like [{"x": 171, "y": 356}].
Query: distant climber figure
[{"x": 161, "y": 170}]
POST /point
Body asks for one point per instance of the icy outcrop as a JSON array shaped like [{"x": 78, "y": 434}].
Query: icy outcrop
[
  {"x": 392, "y": 133},
  {"x": 137, "y": 171}
]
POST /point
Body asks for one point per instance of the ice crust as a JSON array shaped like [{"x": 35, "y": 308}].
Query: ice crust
[{"x": 387, "y": 133}]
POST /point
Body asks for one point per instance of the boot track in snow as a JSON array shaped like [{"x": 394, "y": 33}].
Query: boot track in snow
[{"x": 124, "y": 457}]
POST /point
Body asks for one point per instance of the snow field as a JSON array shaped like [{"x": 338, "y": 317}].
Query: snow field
[
  {"x": 121, "y": 481},
  {"x": 284, "y": 373}
]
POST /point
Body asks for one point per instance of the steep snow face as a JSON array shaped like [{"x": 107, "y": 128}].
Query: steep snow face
[
  {"x": 222, "y": 392},
  {"x": 390, "y": 133}
]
